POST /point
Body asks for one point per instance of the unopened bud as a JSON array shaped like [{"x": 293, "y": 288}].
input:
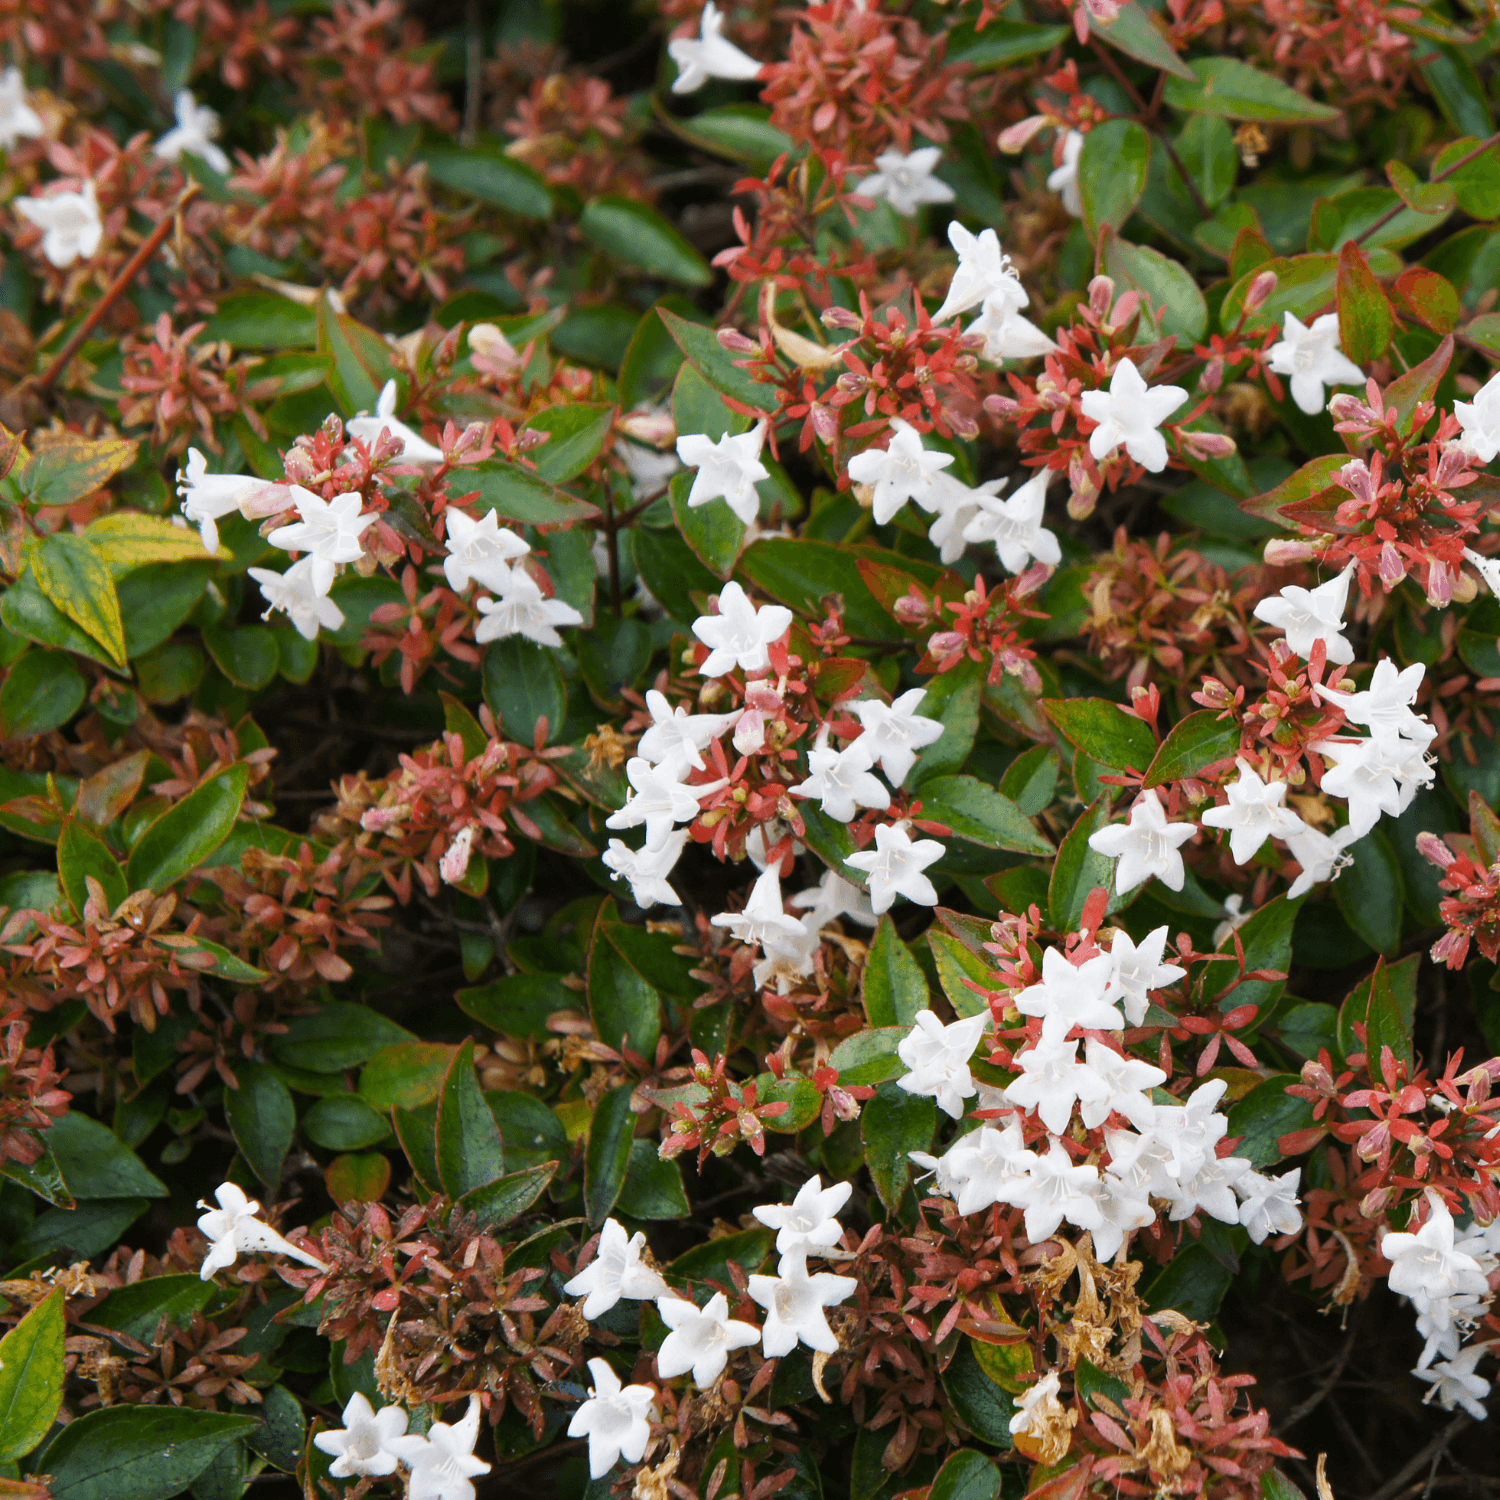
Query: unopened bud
[
  {"x": 1260, "y": 290},
  {"x": 1392, "y": 568},
  {"x": 841, "y": 317},
  {"x": 654, "y": 427},
  {"x": 1005, "y": 408},
  {"x": 734, "y": 340},
  {"x": 1282, "y": 552},
  {"x": 825, "y": 421},
  {"x": 1433, "y": 849},
  {"x": 1208, "y": 444},
  {"x": 1101, "y": 295},
  {"x": 1016, "y": 137}
]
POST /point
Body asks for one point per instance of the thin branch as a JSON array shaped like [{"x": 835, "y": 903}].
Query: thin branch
[
  {"x": 1419, "y": 1460},
  {"x": 1447, "y": 172},
  {"x": 1313, "y": 1402}
]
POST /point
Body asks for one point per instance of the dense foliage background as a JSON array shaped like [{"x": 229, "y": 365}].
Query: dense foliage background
[{"x": 1090, "y": 633}]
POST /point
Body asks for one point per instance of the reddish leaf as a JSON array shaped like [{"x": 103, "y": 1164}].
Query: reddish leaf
[
  {"x": 1428, "y": 297},
  {"x": 1366, "y": 320},
  {"x": 1407, "y": 392}
]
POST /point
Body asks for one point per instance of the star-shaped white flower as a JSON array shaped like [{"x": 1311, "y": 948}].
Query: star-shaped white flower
[
  {"x": 676, "y": 739},
  {"x": 905, "y": 180},
  {"x": 1007, "y": 335},
  {"x": 616, "y": 1420},
  {"x": 833, "y": 896},
  {"x": 938, "y": 1057},
  {"x": 1145, "y": 846},
  {"x": 442, "y": 1462},
  {"x": 895, "y": 866},
  {"x": 647, "y": 869},
  {"x": 1130, "y": 412},
  {"x": 1212, "y": 1190},
  {"x": 1321, "y": 855},
  {"x": 1072, "y": 995},
  {"x": 71, "y": 221},
  {"x": 763, "y": 915},
  {"x": 1313, "y": 359},
  {"x": 787, "y": 958},
  {"x": 1254, "y": 813},
  {"x": 18, "y": 120},
  {"x": 1053, "y": 1080},
  {"x": 1379, "y": 774},
  {"x": 1126, "y": 1079},
  {"x": 701, "y": 1340},
  {"x": 1186, "y": 1134},
  {"x": 1063, "y": 179},
  {"x": 522, "y": 609},
  {"x": 329, "y": 531},
  {"x": 1269, "y": 1204},
  {"x": 1138, "y": 970},
  {"x": 985, "y": 1165},
  {"x": 1311, "y": 615},
  {"x": 1455, "y": 1383},
  {"x": 896, "y": 732},
  {"x": 794, "y": 1304},
  {"x": 195, "y": 132},
  {"x": 1014, "y": 525},
  {"x": 233, "y": 1229},
  {"x": 658, "y": 799},
  {"x": 903, "y": 470},
  {"x": 296, "y": 592},
  {"x": 957, "y": 505},
  {"x": 842, "y": 780},
  {"x": 1425, "y": 1263},
  {"x": 482, "y": 550},
  {"x": 617, "y": 1270},
  {"x": 810, "y": 1220},
  {"x": 1122, "y": 1208},
  {"x": 1480, "y": 420},
  {"x": 984, "y": 274},
  {"x": 739, "y": 635},
  {"x": 1386, "y": 705},
  {"x": 728, "y": 470},
  {"x": 361, "y": 1448},
  {"x": 417, "y": 449},
  {"x": 709, "y": 55},
  {"x": 1055, "y": 1189},
  {"x": 207, "y": 498}
]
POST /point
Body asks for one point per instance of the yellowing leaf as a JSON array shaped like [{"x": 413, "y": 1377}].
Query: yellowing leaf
[
  {"x": 73, "y": 575},
  {"x": 126, "y": 539},
  {"x": 66, "y": 471}
]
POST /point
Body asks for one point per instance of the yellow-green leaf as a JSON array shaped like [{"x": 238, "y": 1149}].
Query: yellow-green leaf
[
  {"x": 66, "y": 471},
  {"x": 73, "y": 574},
  {"x": 127, "y": 539}
]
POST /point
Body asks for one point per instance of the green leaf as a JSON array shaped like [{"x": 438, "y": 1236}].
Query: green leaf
[
  {"x": 138, "y": 1308},
  {"x": 1418, "y": 385},
  {"x": 714, "y": 362},
  {"x": 869, "y": 1056},
  {"x": 31, "y": 1377},
  {"x": 41, "y": 1176},
  {"x": 518, "y": 1005},
  {"x": 361, "y": 359},
  {"x": 638, "y": 237},
  {"x": 128, "y": 539},
  {"x": 283, "y": 1437},
  {"x": 137, "y": 1452},
  {"x": 263, "y": 1118},
  {"x": 1112, "y": 173},
  {"x": 576, "y": 438},
  {"x": 625, "y": 1008},
  {"x": 94, "y": 1164},
  {"x": 523, "y": 684},
  {"x": 1385, "y": 1003},
  {"x": 1206, "y": 146},
  {"x": 653, "y": 1185},
  {"x": 606, "y": 1159},
  {"x": 338, "y": 1035},
  {"x": 1460, "y": 95},
  {"x": 1366, "y": 320},
  {"x": 1476, "y": 185},
  {"x": 1104, "y": 731},
  {"x": 713, "y": 531},
  {"x": 184, "y": 836},
  {"x": 517, "y": 494},
  {"x": 654, "y": 956},
  {"x": 955, "y": 963},
  {"x": 263, "y": 320},
  {"x": 65, "y": 471},
  {"x": 1424, "y": 197},
  {"x": 1267, "y": 941},
  {"x": 1193, "y": 1283},
  {"x": 1079, "y": 869},
  {"x": 743, "y": 132},
  {"x": 418, "y": 1136},
  {"x": 982, "y": 1405},
  {"x": 1031, "y": 779},
  {"x": 343, "y": 1122},
  {"x": 1193, "y": 743},
  {"x": 709, "y": 1261},
  {"x": 966, "y": 1474},
  {"x": 1371, "y": 891},
  {"x": 1266, "y": 1114},
  {"x": 982, "y": 815},
  {"x": 42, "y": 691},
  {"x": 893, "y": 984},
  {"x": 1230, "y": 88},
  {"x": 892, "y": 1124},
  {"x": 1001, "y": 43},
  {"x": 245, "y": 654},
  {"x": 1136, "y": 34},
  {"x": 1430, "y": 298},
  {"x": 488, "y": 174},
  {"x": 1181, "y": 311},
  {"x": 156, "y": 599},
  {"x": 497, "y": 1203},
  {"x": 73, "y": 575},
  {"x": 470, "y": 1151},
  {"x": 81, "y": 853},
  {"x": 409, "y": 1074},
  {"x": 953, "y": 699},
  {"x": 30, "y": 614}
]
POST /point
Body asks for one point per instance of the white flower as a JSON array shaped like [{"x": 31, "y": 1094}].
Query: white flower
[
  {"x": 938, "y": 1057},
  {"x": 1426, "y": 1265},
  {"x": 710, "y": 55},
  {"x": 1138, "y": 970},
  {"x": 896, "y": 731},
  {"x": 442, "y": 1461},
  {"x": 763, "y": 915},
  {"x": 728, "y": 470},
  {"x": 895, "y": 866},
  {"x": 903, "y": 470},
  {"x": 1270, "y": 1203},
  {"x": 984, "y": 274},
  {"x": 296, "y": 591},
  {"x": 1253, "y": 814},
  {"x": 330, "y": 531},
  {"x": 1053, "y": 1190},
  {"x": 794, "y": 1303},
  {"x": 832, "y": 897},
  {"x": 809, "y": 1221},
  {"x": 676, "y": 739},
  {"x": 787, "y": 957},
  {"x": 1321, "y": 855},
  {"x": 417, "y": 449},
  {"x": 1014, "y": 525},
  {"x": 617, "y": 1270},
  {"x": 1313, "y": 359},
  {"x": 195, "y": 132},
  {"x": 701, "y": 1339},
  {"x": 1141, "y": 1164},
  {"x": 17, "y": 118},
  {"x": 658, "y": 800},
  {"x": 482, "y": 550},
  {"x": 1063, "y": 179},
  {"x": 206, "y": 498},
  {"x": 522, "y": 609},
  {"x": 985, "y": 1165},
  {"x": 1146, "y": 845},
  {"x": 1007, "y": 335},
  {"x": 1124, "y": 1078},
  {"x": 72, "y": 223},
  {"x": 1187, "y": 1134},
  {"x": 647, "y": 869},
  {"x": 1380, "y": 774},
  {"x": 841, "y": 779},
  {"x": 1311, "y": 615},
  {"x": 1130, "y": 412},
  {"x": 1454, "y": 1382},
  {"x": 740, "y": 633},
  {"x": 360, "y": 1448},
  {"x": 233, "y": 1229},
  {"x": 1480, "y": 420},
  {"x": 957, "y": 505},
  {"x": 1051, "y": 1082},
  {"x": 905, "y": 180},
  {"x": 1212, "y": 1189},
  {"x": 1071, "y": 995},
  {"x": 616, "y": 1421},
  {"x": 1122, "y": 1208},
  {"x": 1386, "y": 705}
]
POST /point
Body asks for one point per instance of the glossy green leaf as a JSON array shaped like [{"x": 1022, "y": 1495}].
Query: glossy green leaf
[
  {"x": 1193, "y": 743},
  {"x": 638, "y": 237},
  {"x": 1170, "y": 287},
  {"x": 31, "y": 1377},
  {"x": 263, "y": 1118},
  {"x": 71, "y": 467},
  {"x": 523, "y": 684},
  {"x": 1112, "y": 172},
  {"x": 338, "y": 1035},
  {"x": 95, "y": 1164},
  {"x": 625, "y": 1008},
  {"x": 81, "y": 853},
  {"x": 1371, "y": 891},
  {"x": 983, "y": 1406},
  {"x": 576, "y": 434},
  {"x": 344, "y": 1122},
  {"x": 869, "y": 1056},
  {"x": 1233, "y": 89},
  {"x": 714, "y": 362},
  {"x": 1366, "y": 320},
  {"x": 497, "y": 1203},
  {"x": 966, "y": 1475},
  {"x": 42, "y": 691},
  {"x": 470, "y": 1151},
  {"x": 653, "y": 1185},
  {"x": 184, "y": 836},
  {"x": 982, "y": 815},
  {"x": 891, "y": 1125},
  {"x": 606, "y": 1159},
  {"x": 1104, "y": 731},
  {"x": 76, "y": 580},
  {"x": 245, "y": 654},
  {"x": 893, "y": 984},
  {"x": 490, "y": 175},
  {"x": 1078, "y": 869},
  {"x": 1266, "y": 1114},
  {"x": 361, "y": 359}
]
